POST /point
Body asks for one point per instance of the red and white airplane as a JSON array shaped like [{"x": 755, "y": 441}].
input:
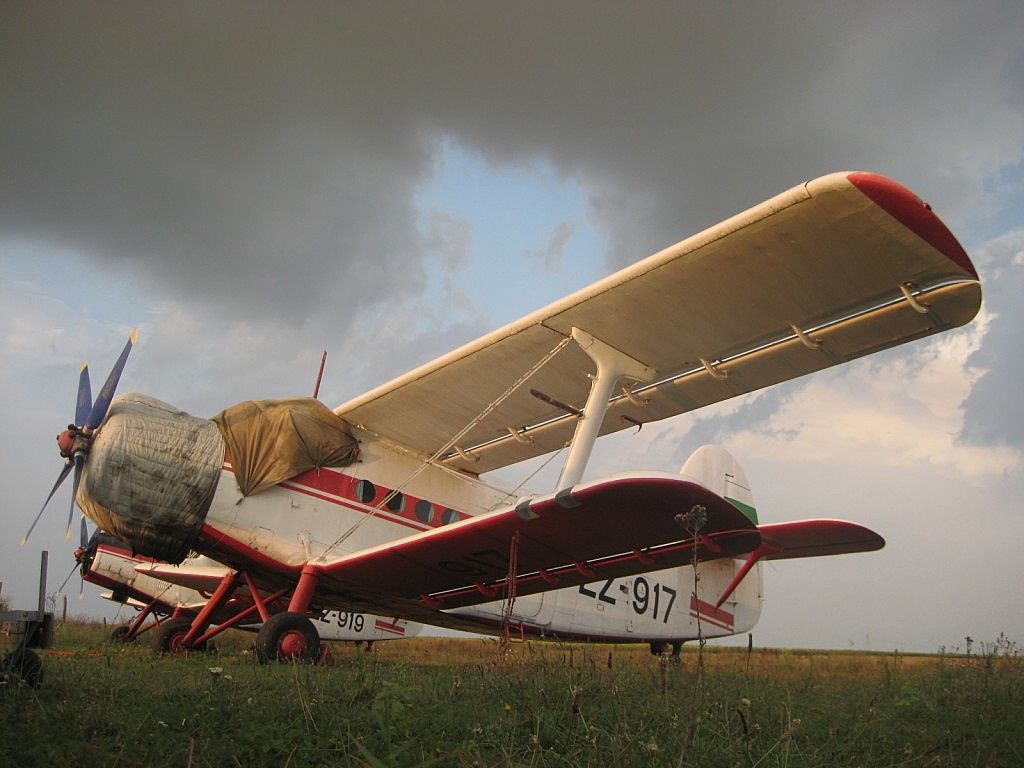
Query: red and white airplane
[
  {"x": 382, "y": 505},
  {"x": 150, "y": 588}
]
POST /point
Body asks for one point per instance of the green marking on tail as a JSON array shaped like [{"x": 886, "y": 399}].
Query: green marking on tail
[{"x": 746, "y": 509}]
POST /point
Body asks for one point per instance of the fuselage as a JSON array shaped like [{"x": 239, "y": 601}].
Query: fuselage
[
  {"x": 239, "y": 490},
  {"x": 324, "y": 514}
]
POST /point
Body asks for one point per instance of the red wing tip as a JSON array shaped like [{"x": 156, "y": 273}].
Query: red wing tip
[{"x": 915, "y": 214}]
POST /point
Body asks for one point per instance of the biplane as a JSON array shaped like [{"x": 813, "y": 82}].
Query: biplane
[
  {"x": 386, "y": 504},
  {"x": 153, "y": 591}
]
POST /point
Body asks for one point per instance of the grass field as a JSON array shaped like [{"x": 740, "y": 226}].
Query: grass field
[{"x": 434, "y": 701}]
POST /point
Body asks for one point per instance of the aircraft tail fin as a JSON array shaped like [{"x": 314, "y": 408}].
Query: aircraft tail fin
[{"x": 718, "y": 471}]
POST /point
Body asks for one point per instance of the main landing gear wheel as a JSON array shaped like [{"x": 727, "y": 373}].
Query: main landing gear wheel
[
  {"x": 22, "y": 666},
  {"x": 168, "y": 637},
  {"x": 288, "y": 637},
  {"x": 122, "y": 635}
]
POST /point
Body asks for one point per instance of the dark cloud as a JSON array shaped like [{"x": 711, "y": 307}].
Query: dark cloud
[
  {"x": 271, "y": 153},
  {"x": 255, "y": 166},
  {"x": 227, "y": 156}
]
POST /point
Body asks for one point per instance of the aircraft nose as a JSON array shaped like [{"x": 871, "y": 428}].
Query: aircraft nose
[{"x": 151, "y": 476}]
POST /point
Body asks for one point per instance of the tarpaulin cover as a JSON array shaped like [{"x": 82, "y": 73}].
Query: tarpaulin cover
[
  {"x": 150, "y": 475},
  {"x": 270, "y": 441}
]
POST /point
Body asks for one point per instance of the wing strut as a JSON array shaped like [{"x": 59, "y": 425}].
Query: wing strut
[
  {"x": 763, "y": 550},
  {"x": 612, "y": 365}
]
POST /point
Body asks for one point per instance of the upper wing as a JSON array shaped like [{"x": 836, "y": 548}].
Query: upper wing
[
  {"x": 619, "y": 526},
  {"x": 831, "y": 270}
]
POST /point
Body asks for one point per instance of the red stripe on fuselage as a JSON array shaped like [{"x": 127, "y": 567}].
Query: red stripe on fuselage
[
  {"x": 699, "y": 609},
  {"x": 230, "y": 551},
  {"x": 340, "y": 489},
  {"x": 387, "y": 626},
  {"x": 384, "y": 514},
  {"x": 123, "y": 552},
  {"x": 327, "y": 485}
]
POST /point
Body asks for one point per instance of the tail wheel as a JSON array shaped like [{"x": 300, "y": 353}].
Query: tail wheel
[
  {"x": 169, "y": 637},
  {"x": 288, "y": 637},
  {"x": 658, "y": 648}
]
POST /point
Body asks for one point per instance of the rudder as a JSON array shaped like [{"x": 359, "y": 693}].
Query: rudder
[{"x": 718, "y": 471}]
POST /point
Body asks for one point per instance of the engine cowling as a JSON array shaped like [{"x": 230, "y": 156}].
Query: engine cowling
[{"x": 151, "y": 475}]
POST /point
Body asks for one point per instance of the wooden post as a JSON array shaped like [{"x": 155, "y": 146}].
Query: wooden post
[{"x": 42, "y": 582}]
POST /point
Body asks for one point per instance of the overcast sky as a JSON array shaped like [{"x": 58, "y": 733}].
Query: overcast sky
[{"x": 250, "y": 184}]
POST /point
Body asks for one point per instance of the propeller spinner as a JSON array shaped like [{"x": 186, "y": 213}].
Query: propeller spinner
[{"x": 74, "y": 441}]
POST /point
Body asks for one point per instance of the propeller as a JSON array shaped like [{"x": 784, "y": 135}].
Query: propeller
[
  {"x": 74, "y": 441},
  {"x": 60, "y": 589},
  {"x": 83, "y": 558}
]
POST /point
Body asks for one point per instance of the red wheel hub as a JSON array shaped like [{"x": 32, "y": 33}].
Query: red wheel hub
[{"x": 292, "y": 645}]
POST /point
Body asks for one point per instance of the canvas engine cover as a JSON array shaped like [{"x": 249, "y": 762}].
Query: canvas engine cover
[{"x": 151, "y": 474}]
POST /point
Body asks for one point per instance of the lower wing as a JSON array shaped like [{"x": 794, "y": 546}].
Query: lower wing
[{"x": 627, "y": 524}]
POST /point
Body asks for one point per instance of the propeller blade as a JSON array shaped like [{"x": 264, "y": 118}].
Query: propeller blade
[
  {"x": 60, "y": 479},
  {"x": 73, "y": 569},
  {"x": 79, "y": 461},
  {"x": 84, "y": 405},
  {"x": 83, "y": 536},
  {"x": 99, "y": 408}
]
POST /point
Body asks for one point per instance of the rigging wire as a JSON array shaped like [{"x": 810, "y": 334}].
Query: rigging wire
[{"x": 447, "y": 447}]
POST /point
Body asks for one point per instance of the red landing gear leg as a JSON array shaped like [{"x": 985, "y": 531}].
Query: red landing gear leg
[
  {"x": 180, "y": 634},
  {"x": 127, "y": 633}
]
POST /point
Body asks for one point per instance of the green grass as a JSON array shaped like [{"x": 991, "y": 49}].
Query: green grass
[{"x": 466, "y": 703}]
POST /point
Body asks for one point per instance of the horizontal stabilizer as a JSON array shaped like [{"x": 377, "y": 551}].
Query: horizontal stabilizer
[
  {"x": 813, "y": 538},
  {"x": 806, "y": 538}
]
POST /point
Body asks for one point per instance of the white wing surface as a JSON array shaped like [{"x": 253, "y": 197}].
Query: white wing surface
[{"x": 834, "y": 269}]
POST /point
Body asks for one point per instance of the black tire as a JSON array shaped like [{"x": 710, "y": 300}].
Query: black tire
[
  {"x": 23, "y": 666},
  {"x": 122, "y": 635},
  {"x": 168, "y": 637},
  {"x": 289, "y": 637}
]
